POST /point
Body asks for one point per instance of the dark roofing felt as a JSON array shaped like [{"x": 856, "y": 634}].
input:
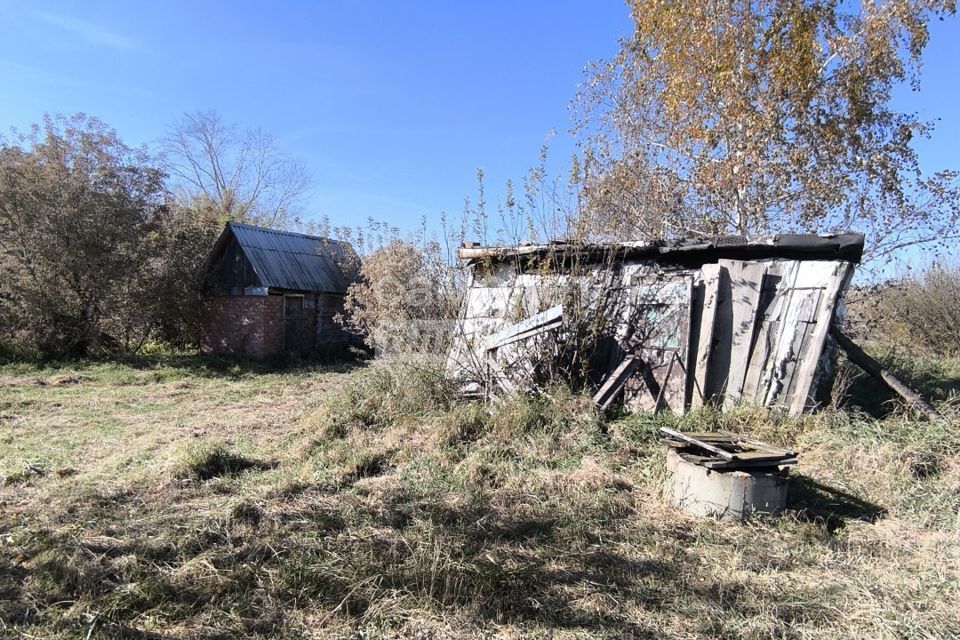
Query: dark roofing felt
[
  {"x": 285, "y": 260},
  {"x": 693, "y": 251}
]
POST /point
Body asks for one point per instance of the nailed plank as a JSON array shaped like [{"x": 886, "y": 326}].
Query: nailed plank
[
  {"x": 803, "y": 293},
  {"x": 778, "y": 330},
  {"x": 700, "y": 443},
  {"x": 747, "y": 464},
  {"x": 759, "y": 444},
  {"x": 719, "y": 364},
  {"x": 535, "y": 324},
  {"x": 711, "y": 281},
  {"x": 746, "y": 280},
  {"x": 800, "y": 317},
  {"x": 813, "y": 347}
]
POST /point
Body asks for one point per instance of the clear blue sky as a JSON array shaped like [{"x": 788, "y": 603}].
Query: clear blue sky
[{"x": 392, "y": 105}]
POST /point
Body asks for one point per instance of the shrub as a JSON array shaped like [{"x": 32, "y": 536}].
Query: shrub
[
  {"x": 94, "y": 256},
  {"x": 405, "y": 300},
  {"x": 921, "y": 312}
]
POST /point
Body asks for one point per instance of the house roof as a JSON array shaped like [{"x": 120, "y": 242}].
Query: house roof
[
  {"x": 842, "y": 246},
  {"x": 294, "y": 261}
]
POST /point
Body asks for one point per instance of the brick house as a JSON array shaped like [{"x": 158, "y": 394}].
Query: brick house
[{"x": 270, "y": 292}]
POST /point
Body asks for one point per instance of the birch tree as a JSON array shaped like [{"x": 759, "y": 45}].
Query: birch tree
[
  {"x": 241, "y": 171},
  {"x": 752, "y": 116}
]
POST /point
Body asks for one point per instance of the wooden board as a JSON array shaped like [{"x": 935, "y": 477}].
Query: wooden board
[
  {"x": 535, "y": 324},
  {"x": 771, "y": 305},
  {"x": 613, "y": 385},
  {"x": 803, "y": 294},
  {"x": 718, "y": 364},
  {"x": 746, "y": 281},
  {"x": 704, "y": 346},
  {"x": 813, "y": 346},
  {"x": 729, "y": 450}
]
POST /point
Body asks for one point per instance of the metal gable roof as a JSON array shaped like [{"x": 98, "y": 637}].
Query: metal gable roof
[{"x": 285, "y": 260}]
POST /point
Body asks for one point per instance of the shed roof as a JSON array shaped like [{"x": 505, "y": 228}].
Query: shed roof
[
  {"x": 294, "y": 261},
  {"x": 841, "y": 246}
]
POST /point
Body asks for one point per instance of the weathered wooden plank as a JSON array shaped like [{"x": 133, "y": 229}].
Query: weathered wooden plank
[
  {"x": 538, "y": 323},
  {"x": 719, "y": 364},
  {"x": 813, "y": 347},
  {"x": 711, "y": 279},
  {"x": 700, "y": 443},
  {"x": 746, "y": 280},
  {"x": 806, "y": 302},
  {"x": 803, "y": 295},
  {"x": 773, "y": 299},
  {"x": 759, "y": 444},
  {"x": 747, "y": 464}
]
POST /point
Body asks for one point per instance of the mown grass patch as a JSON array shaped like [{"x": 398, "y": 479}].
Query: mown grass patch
[{"x": 394, "y": 512}]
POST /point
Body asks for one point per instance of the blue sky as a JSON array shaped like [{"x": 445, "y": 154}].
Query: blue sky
[{"x": 392, "y": 105}]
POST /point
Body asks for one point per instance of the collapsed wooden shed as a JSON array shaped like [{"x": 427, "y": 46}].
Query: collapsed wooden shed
[{"x": 670, "y": 325}]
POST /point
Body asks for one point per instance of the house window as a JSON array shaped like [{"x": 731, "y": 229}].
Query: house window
[{"x": 292, "y": 306}]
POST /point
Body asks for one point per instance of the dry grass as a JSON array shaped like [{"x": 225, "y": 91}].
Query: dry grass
[{"x": 176, "y": 501}]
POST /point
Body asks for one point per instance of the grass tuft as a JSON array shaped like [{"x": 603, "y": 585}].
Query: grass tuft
[
  {"x": 216, "y": 461},
  {"x": 27, "y": 472}
]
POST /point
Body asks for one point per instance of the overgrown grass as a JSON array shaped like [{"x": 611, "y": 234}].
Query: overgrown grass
[{"x": 329, "y": 503}]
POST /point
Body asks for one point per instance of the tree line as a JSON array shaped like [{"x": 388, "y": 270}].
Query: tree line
[
  {"x": 102, "y": 245},
  {"x": 748, "y": 117}
]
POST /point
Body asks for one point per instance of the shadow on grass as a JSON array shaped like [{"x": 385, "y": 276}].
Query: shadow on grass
[
  {"x": 211, "y": 365},
  {"x": 588, "y": 572},
  {"x": 549, "y": 572},
  {"x": 817, "y": 502},
  {"x": 933, "y": 378},
  {"x": 201, "y": 365}
]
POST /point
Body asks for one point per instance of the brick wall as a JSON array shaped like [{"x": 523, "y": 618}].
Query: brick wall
[{"x": 250, "y": 326}]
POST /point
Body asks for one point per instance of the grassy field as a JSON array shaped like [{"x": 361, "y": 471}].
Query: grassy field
[{"x": 192, "y": 498}]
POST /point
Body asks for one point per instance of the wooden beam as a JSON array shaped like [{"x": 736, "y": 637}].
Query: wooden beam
[
  {"x": 860, "y": 358},
  {"x": 746, "y": 281},
  {"x": 613, "y": 385},
  {"x": 773, "y": 301}
]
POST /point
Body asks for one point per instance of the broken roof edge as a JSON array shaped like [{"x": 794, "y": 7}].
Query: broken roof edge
[{"x": 840, "y": 246}]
